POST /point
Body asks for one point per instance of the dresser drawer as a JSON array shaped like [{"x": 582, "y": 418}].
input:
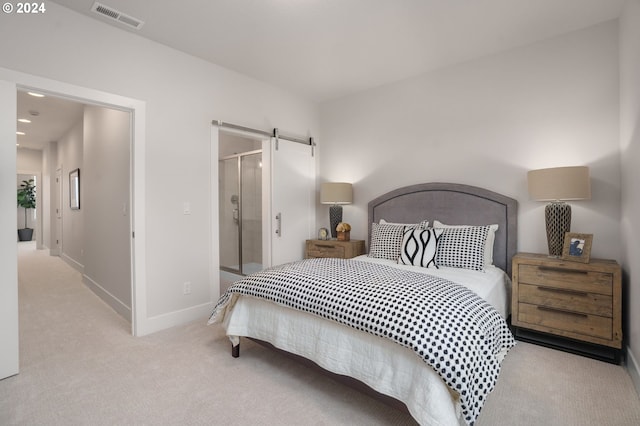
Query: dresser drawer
[
  {"x": 325, "y": 250},
  {"x": 334, "y": 248},
  {"x": 568, "y": 300},
  {"x": 562, "y": 300},
  {"x": 542, "y": 317},
  {"x": 566, "y": 278}
]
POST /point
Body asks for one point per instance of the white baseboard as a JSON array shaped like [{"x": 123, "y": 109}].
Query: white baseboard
[
  {"x": 115, "y": 303},
  {"x": 633, "y": 369},
  {"x": 172, "y": 319},
  {"x": 73, "y": 263}
]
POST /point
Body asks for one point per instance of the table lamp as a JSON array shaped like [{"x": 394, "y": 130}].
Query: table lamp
[
  {"x": 336, "y": 194},
  {"x": 559, "y": 184}
]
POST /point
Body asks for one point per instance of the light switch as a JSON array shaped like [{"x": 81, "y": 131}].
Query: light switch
[{"x": 186, "y": 208}]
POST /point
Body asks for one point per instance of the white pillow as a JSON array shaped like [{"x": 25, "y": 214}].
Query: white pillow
[
  {"x": 491, "y": 237},
  {"x": 419, "y": 247}
]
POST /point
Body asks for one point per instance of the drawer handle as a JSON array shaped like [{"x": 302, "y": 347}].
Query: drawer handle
[
  {"x": 564, "y": 291},
  {"x": 554, "y": 269},
  {"x": 577, "y": 314},
  {"x": 326, "y": 245}
]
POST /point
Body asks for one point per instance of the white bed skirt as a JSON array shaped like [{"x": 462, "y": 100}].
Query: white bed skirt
[{"x": 383, "y": 365}]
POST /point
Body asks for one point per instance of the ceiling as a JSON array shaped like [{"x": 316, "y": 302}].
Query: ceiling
[
  {"x": 50, "y": 119},
  {"x": 326, "y": 49}
]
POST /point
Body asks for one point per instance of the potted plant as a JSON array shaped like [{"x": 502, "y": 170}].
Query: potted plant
[
  {"x": 344, "y": 231},
  {"x": 26, "y": 200}
]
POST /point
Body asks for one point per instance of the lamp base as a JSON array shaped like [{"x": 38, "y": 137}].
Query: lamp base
[
  {"x": 335, "y": 217},
  {"x": 558, "y": 219}
]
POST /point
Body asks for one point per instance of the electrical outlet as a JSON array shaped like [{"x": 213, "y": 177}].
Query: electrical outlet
[{"x": 186, "y": 288}]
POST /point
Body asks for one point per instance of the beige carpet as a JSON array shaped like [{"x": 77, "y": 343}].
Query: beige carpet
[{"x": 81, "y": 366}]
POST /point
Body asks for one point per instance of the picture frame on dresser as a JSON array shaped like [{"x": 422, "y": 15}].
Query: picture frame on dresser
[{"x": 577, "y": 247}]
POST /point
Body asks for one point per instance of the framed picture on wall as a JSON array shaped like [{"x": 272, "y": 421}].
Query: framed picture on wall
[
  {"x": 577, "y": 247},
  {"x": 74, "y": 189}
]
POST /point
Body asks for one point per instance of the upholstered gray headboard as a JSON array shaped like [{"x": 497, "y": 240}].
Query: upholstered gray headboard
[{"x": 453, "y": 204}]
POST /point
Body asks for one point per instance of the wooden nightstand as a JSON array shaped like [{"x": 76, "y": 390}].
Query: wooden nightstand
[
  {"x": 570, "y": 305},
  {"x": 334, "y": 248}
]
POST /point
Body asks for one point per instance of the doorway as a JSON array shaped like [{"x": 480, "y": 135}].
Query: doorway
[
  {"x": 28, "y": 228},
  {"x": 241, "y": 212},
  {"x": 10, "y": 82},
  {"x": 90, "y": 142},
  {"x": 266, "y": 200},
  {"x": 240, "y": 207}
]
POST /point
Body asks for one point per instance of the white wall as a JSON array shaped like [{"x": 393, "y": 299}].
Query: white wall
[
  {"x": 486, "y": 123},
  {"x": 630, "y": 153},
  {"x": 9, "y": 364},
  {"x": 28, "y": 160},
  {"x": 104, "y": 187},
  {"x": 181, "y": 95},
  {"x": 70, "y": 157}
]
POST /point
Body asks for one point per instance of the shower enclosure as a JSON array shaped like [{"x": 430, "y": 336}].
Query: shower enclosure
[{"x": 240, "y": 189}]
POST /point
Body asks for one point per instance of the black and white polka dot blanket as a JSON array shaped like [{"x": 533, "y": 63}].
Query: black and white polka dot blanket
[{"x": 462, "y": 337}]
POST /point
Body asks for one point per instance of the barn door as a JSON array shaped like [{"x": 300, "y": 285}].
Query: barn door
[{"x": 292, "y": 199}]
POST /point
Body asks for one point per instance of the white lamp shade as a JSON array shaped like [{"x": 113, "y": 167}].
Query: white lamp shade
[
  {"x": 560, "y": 184},
  {"x": 336, "y": 193}
]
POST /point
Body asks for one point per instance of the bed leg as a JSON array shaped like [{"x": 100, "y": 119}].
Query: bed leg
[{"x": 235, "y": 350}]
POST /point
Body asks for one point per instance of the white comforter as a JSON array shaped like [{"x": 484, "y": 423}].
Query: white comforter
[{"x": 380, "y": 363}]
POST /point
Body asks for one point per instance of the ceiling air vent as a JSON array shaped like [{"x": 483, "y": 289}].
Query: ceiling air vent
[{"x": 115, "y": 15}]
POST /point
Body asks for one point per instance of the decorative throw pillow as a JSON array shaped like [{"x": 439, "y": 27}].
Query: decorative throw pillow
[
  {"x": 488, "y": 246},
  {"x": 419, "y": 247},
  {"x": 386, "y": 239},
  {"x": 462, "y": 247}
]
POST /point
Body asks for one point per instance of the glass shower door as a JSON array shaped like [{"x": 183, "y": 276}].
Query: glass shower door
[
  {"x": 240, "y": 215},
  {"x": 229, "y": 202}
]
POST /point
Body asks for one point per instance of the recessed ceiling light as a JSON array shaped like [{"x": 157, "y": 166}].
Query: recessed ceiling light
[
  {"x": 20, "y": 133},
  {"x": 24, "y": 120},
  {"x": 37, "y": 95}
]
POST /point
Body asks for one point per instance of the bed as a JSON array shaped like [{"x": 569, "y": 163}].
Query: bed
[{"x": 336, "y": 312}]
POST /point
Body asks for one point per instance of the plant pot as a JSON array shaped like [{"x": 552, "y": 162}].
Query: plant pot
[
  {"x": 25, "y": 234},
  {"x": 343, "y": 236}
]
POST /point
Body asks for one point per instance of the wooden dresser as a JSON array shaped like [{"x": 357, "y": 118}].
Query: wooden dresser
[
  {"x": 580, "y": 303},
  {"x": 334, "y": 248}
]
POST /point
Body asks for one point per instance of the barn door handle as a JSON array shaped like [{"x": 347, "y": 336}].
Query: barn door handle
[{"x": 279, "y": 224}]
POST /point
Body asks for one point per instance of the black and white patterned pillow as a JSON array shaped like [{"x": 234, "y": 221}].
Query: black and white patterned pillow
[
  {"x": 386, "y": 239},
  {"x": 419, "y": 247},
  {"x": 488, "y": 245},
  {"x": 462, "y": 247}
]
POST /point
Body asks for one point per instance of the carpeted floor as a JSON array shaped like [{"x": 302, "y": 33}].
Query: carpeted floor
[{"x": 81, "y": 366}]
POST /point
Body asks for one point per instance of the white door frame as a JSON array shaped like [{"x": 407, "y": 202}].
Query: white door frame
[{"x": 140, "y": 324}]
